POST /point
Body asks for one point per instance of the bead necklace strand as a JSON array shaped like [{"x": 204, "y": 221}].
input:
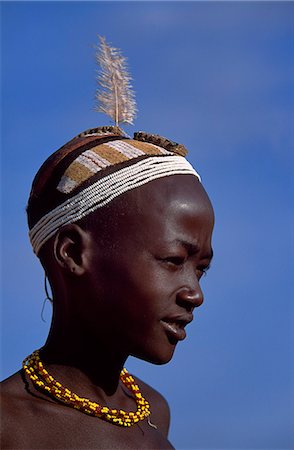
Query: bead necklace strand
[{"x": 40, "y": 377}]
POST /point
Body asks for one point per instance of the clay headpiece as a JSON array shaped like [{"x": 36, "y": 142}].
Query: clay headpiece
[
  {"x": 91, "y": 170},
  {"x": 102, "y": 163}
]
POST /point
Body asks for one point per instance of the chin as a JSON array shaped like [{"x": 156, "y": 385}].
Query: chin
[{"x": 156, "y": 357}]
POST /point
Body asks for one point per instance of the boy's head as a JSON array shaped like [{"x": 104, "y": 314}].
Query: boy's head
[
  {"x": 136, "y": 260},
  {"x": 91, "y": 170}
]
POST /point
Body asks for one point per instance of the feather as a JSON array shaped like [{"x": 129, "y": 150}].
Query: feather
[{"x": 114, "y": 95}]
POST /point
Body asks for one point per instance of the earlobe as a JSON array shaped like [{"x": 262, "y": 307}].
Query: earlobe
[{"x": 69, "y": 249}]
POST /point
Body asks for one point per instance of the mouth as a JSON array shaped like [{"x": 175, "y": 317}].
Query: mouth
[{"x": 175, "y": 327}]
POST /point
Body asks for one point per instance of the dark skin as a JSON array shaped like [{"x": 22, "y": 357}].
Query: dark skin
[{"x": 125, "y": 284}]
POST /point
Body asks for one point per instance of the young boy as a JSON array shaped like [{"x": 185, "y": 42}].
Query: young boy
[{"x": 123, "y": 230}]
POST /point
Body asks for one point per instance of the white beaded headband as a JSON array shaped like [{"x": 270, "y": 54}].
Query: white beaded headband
[{"x": 104, "y": 191}]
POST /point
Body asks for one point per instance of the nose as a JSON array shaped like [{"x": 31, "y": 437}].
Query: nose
[{"x": 190, "y": 298}]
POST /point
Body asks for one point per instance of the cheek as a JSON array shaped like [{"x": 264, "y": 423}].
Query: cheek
[
  {"x": 134, "y": 297},
  {"x": 131, "y": 290},
  {"x": 136, "y": 290}
]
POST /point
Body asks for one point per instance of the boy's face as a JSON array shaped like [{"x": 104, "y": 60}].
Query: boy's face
[{"x": 145, "y": 265}]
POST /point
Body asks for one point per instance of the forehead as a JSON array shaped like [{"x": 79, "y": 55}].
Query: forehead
[
  {"x": 165, "y": 208},
  {"x": 165, "y": 193}
]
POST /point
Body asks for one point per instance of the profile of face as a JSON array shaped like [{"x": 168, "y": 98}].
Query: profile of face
[{"x": 146, "y": 257}]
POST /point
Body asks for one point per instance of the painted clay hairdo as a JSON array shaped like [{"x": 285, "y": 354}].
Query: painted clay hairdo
[{"x": 102, "y": 163}]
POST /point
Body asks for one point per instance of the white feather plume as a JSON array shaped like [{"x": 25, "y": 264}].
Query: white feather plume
[{"x": 114, "y": 95}]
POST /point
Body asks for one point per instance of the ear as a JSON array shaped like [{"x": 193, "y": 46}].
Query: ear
[{"x": 70, "y": 249}]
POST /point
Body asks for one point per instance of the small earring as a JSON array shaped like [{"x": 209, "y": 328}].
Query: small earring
[{"x": 48, "y": 297}]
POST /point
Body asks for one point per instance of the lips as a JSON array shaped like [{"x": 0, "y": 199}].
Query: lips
[{"x": 174, "y": 326}]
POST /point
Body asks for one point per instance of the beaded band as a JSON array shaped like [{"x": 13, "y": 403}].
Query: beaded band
[
  {"x": 104, "y": 190},
  {"x": 41, "y": 378}
]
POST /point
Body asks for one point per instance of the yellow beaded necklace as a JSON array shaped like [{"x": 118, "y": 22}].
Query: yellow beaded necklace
[{"x": 34, "y": 368}]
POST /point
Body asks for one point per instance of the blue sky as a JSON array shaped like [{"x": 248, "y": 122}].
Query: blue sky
[{"x": 217, "y": 77}]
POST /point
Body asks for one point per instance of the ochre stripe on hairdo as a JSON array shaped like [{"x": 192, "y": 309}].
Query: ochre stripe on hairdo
[{"x": 97, "y": 158}]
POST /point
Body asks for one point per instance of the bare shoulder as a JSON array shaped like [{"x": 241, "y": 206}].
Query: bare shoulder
[
  {"x": 12, "y": 396},
  {"x": 160, "y": 411},
  {"x": 12, "y": 390},
  {"x": 19, "y": 408},
  {"x": 31, "y": 420}
]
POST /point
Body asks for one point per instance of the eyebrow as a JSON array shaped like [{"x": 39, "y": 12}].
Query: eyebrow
[{"x": 193, "y": 248}]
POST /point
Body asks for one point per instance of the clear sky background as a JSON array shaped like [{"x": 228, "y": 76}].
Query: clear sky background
[{"x": 217, "y": 77}]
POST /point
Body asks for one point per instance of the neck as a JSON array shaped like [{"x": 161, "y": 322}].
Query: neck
[{"x": 77, "y": 358}]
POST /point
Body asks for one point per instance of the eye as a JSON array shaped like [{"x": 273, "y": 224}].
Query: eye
[
  {"x": 202, "y": 271},
  {"x": 174, "y": 261}
]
